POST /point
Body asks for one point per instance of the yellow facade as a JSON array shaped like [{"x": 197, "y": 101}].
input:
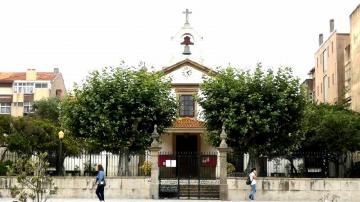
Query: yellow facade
[
  {"x": 18, "y": 97},
  {"x": 6, "y": 91},
  {"x": 20, "y": 90},
  {"x": 31, "y": 75},
  {"x": 41, "y": 93},
  {"x": 355, "y": 58},
  {"x": 17, "y": 111}
]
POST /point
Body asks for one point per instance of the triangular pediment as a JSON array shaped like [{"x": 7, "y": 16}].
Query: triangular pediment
[{"x": 190, "y": 63}]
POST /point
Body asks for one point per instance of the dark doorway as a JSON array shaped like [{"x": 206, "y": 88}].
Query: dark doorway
[
  {"x": 186, "y": 154},
  {"x": 186, "y": 143}
]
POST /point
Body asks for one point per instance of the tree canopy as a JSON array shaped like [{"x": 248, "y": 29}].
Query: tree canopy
[
  {"x": 116, "y": 108},
  {"x": 38, "y": 133},
  {"x": 48, "y": 109},
  {"x": 331, "y": 128},
  {"x": 261, "y": 110}
]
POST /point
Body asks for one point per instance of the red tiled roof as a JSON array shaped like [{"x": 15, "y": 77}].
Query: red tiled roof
[
  {"x": 11, "y": 76},
  {"x": 187, "y": 122}
]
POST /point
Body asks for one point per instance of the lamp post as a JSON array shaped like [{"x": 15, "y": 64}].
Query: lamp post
[{"x": 61, "y": 137}]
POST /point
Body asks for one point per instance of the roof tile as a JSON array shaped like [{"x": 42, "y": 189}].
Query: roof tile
[
  {"x": 187, "y": 122},
  {"x": 11, "y": 76}
]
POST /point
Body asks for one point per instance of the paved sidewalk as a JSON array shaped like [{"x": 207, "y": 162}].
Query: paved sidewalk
[{"x": 129, "y": 200}]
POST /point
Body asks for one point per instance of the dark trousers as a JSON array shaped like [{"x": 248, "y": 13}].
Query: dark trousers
[{"x": 100, "y": 192}]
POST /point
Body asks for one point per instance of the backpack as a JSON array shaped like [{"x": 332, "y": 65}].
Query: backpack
[{"x": 248, "y": 180}]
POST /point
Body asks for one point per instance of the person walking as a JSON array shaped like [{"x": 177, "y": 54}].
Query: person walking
[
  {"x": 252, "y": 176},
  {"x": 100, "y": 181}
]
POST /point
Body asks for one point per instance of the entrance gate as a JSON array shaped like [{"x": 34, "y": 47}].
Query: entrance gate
[{"x": 188, "y": 175}]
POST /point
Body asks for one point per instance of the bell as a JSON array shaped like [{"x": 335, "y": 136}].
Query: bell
[{"x": 186, "y": 50}]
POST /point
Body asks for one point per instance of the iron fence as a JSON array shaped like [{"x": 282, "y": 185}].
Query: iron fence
[
  {"x": 304, "y": 164},
  {"x": 301, "y": 164},
  {"x": 122, "y": 164}
]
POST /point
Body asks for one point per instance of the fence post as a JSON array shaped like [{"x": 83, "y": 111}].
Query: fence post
[
  {"x": 154, "y": 154},
  {"x": 223, "y": 150}
]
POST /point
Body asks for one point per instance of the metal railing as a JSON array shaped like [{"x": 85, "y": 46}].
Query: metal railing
[
  {"x": 85, "y": 164},
  {"x": 301, "y": 164}
]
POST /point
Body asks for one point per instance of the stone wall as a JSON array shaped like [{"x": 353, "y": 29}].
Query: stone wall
[
  {"x": 297, "y": 189},
  {"x": 82, "y": 187},
  {"x": 268, "y": 189}
]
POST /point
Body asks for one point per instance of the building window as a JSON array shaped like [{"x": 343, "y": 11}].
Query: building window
[
  {"x": 58, "y": 93},
  {"x": 5, "y": 108},
  {"x": 187, "y": 105},
  {"x": 347, "y": 54},
  {"x": 348, "y": 75},
  {"x": 317, "y": 90},
  {"x": 332, "y": 47},
  {"x": 325, "y": 95},
  {"x": 332, "y": 79},
  {"x": 24, "y": 87},
  {"x": 321, "y": 88},
  {"x": 18, "y": 104},
  {"x": 328, "y": 82},
  {"x": 28, "y": 107},
  {"x": 41, "y": 85},
  {"x": 325, "y": 56},
  {"x": 311, "y": 95}
]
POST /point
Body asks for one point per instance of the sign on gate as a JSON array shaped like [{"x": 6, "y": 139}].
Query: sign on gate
[
  {"x": 170, "y": 163},
  {"x": 188, "y": 176}
]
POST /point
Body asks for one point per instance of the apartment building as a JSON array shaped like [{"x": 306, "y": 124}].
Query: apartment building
[
  {"x": 309, "y": 84},
  {"x": 354, "y": 60},
  {"x": 19, "y": 90},
  {"x": 329, "y": 67}
]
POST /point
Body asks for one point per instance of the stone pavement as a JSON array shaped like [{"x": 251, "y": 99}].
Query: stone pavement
[{"x": 127, "y": 200}]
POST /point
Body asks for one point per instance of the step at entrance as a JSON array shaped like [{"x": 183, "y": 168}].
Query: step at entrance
[{"x": 201, "y": 191}]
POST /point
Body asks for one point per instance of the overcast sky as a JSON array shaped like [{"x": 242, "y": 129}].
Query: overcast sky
[{"x": 79, "y": 36}]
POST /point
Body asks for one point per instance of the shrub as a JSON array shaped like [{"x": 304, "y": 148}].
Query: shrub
[
  {"x": 146, "y": 167},
  {"x": 355, "y": 170},
  {"x": 230, "y": 168},
  {"x": 4, "y": 167}
]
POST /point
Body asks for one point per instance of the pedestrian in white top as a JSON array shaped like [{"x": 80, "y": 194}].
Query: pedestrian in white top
[{"x": 253, "y": 183}]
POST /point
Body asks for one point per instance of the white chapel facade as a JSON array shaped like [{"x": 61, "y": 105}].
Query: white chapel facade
[{"x": 187, "y": 73}]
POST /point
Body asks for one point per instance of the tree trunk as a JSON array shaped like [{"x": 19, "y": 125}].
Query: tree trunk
[
  {"x": 342, "y": 165},
  {"x": 251, "y": 162},
  {"x": 255, "y": 162},
  {"x": 127, "y": 169},
  {"x": 293, "y": 170},
  {"x": 3, "y": 155},
  {"x": 119, "y": 165}
]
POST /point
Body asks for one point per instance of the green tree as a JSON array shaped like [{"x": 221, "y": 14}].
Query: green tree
[
  {"x": 30, "y": 135},
  {"x": 116, "y": 109},
  {"x": 48, "y": 109},
  {"x": 5, "y": 121},
  {"x": 5, "y": 125},
  {"x": 261, "y": 110},
  {"x": 332, "y": 129}
]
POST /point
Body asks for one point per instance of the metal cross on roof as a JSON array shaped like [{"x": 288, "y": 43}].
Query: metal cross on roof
[{"x": 187, "y": 12}]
